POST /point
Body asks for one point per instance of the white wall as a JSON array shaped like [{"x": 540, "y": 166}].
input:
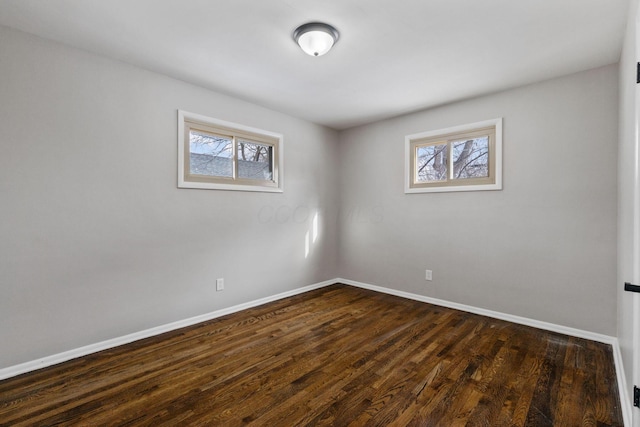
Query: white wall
[
  {"x": 627, "y": 169},
  {"x": 96, "y": 241},
  {"x": 542, "y": 248}
]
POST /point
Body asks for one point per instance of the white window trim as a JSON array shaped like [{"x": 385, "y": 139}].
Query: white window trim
[
  {"x": 182, "y": 183},
  {"x": 455, "y": 129}
]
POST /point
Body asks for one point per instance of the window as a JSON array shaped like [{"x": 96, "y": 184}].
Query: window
[
  {"x": 214, "y": 154},
  {"x": 461, "y": 158}
]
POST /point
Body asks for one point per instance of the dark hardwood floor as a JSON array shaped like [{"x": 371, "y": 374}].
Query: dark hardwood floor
[{"x": 337, "y": 356}]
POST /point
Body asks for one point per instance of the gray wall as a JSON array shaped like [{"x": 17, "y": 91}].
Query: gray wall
[
  {"x": 96, "y": 241},
  {"x": 542, "y": 248},
  {"x": 627, "y": 163}
]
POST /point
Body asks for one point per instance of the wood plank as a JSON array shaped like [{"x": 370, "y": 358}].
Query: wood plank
[{"x": 335, "y": 356}]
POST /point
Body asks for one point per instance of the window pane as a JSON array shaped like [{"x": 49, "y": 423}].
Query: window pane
[
  {"x": 431, "y": 163},
  {"x": 471, "y": 158},
  {"x": 210, "y": 155},
  {"x": 255, "y": 161}
]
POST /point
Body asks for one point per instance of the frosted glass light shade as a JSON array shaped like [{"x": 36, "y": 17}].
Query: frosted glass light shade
[{"x": 315, "y": 38}]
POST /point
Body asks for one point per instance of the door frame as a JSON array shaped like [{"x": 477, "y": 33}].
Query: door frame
[{"x": 635, "y": 364}]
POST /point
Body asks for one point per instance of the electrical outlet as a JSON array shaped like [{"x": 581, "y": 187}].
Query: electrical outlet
[
  {"x": 219, "y": 284},
  {"x": 428, "y": 275}
]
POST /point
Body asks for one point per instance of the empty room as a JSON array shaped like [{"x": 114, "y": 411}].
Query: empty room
[{"x": 341, "y": 213}]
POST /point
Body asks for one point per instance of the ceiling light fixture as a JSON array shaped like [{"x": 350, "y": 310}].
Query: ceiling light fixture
[{"x": 316, "y": 38}]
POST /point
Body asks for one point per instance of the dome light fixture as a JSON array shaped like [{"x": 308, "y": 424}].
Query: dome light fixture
[{"x": 316, "y": 38}]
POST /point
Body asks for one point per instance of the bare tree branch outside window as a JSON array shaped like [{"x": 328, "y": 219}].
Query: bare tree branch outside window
[
  {"x": 256, "y": 160},
  {"x": 432, "y": 163},
  {"x": 219, "y": 155},
  {"x": 212, "y": 155},
  {"x": 466, "y": 157},
  {"x": 470, "y": 160}
]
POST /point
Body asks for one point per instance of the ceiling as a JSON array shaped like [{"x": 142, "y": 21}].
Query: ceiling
[{"x": 393, "y": 56}]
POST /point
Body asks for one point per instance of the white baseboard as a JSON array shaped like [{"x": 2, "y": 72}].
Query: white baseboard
[
  {"x": 606, "y": 339},
  {"x": 33, "y": 365},
  {"x": 484, "y": 312},
  {"x": 625, "y": 401}
]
